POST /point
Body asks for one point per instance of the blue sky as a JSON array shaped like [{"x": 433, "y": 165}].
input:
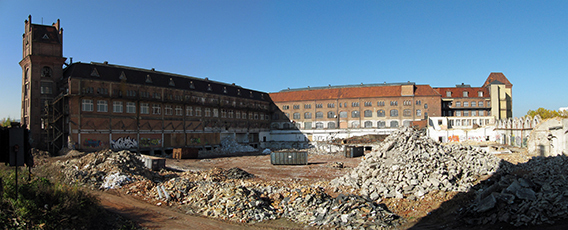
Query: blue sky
[{"x": 272, "y": 45}]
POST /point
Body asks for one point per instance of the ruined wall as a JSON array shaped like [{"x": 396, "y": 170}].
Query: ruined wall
[{"x": 549, "y": 138}]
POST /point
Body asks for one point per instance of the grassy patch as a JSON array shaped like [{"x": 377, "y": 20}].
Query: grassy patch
[{"x": 42, "y": 204}]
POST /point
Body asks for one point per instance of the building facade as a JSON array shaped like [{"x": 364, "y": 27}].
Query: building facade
[{"x": 92, "y": 106}]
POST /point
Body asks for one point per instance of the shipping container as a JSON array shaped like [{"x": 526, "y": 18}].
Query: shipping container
[
  {"x": 289, "y": 158},
  {"x": 185, "y": 153},
  {"x": 153, "y": 163},
  {"x": 353, "y": 151}
]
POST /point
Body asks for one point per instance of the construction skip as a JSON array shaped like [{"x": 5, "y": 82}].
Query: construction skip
[{"x": 289, "y": 158}]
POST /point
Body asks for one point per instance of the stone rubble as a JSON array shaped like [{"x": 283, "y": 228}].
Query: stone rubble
[
  {"x": 531, "y": 193},
  {"x": 410, "y": 164}
]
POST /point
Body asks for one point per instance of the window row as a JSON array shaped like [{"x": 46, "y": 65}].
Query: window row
[
  {"x": 464, "y": 94},
  {"x": 156, "y": 109},
  {"x": 471, "y": 113},
  {"x": 469, "y": 104},
  {"x": 333, "y": 125},
  {"x": 354, "y": 104},
  {"x": 355, "y": 114}
]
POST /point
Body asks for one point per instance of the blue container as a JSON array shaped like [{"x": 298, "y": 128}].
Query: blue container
[{"x": 289, "y": 158}]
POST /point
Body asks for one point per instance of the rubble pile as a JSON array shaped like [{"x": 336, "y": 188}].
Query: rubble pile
[
  {"x": 531, "y": 193},
  {"x": 229, "y": 145},
  {"x": 106, "y": 167},
  {"x": 410, "y": 164},
  {"x": 313, "y": 206}
]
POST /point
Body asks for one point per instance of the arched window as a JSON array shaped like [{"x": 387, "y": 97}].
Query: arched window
[
  {"x": 381, "y": 124},
  {"x": 394, "y": 113},
  {"x": 46, "y": 72},
  {"x": 286, "y": 125},
  {"x": 406, "y": 123},
  {"x": 331, "y": 125},
  {"x": 307, "y": 115},
  {"x": 275, "y": 126},
  {"x": 319, "y": 115},
  {"x": 394, "y": 124},
  {"x": 296, "y": 115},
  {"x": 355, "y": 114},
  {"x": 418, "y": 113},
  {"x": 368, "y": 113},
  {"x": 319, "y": 125},
  {"x": 406, "y": 113},
  {"x": 343, "y": 114},
  {"x": 380, "y": 113},
  {"x": 368, "y": 124},
  {"x": 330, "y": 114}
]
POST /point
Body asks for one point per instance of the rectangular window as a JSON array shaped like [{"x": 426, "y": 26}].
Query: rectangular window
[
  {"x": 473, "y": 113},
  {"x": 354, "y": 104},
  {"x": 87, "y": 105},
  {"x": 465, "y": 94},
  {"x": 189, "y": 111},
  {"x": 319, "y": 105},
  {"x": 168, "y": 110},
  {"x": 144, "y": 108},
  {"x": 207, "y": 112},
  {"x": 117, "y": 107},
  {"x": 179, "y": 111},
  {"x": 481, "y": 104},
  {"x": 448, "y": 93},
  {"x": 331, "y": 105},
  {"x": 458, "y": 104},
  {"x": 223, "y": 113},
  {"x": 466, "y": 113},
  {"x": 480, "y": 94},
  {"x": 130, "y": 107},
  {"x": 481, "y": 113},
  {"x": 215, "y": 112},
  {"x": 46, "y": 88},
  {"x": 198, "y": 111},
  {"x": 458, "y": 113},
  {"x": 368, "y": 104},
  {"x": 285, "y": 107},
  {"x": 156, "y": 109},
  {"x": 465, "y": 104},
  {"x": 307, "y": 106},
  {"x": 102, "y": 106},
  {"x": 231, "y": 113},
  {"x": 380, "y": 103},
  {"x": 238, "y": 115},
  {"x": 296, "y": 106},
  {"x": 307, "y": 125}
]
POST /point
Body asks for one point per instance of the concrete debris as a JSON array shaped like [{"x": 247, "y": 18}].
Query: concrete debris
[
  {"x": 98, "y": 167},
  {"x": 410, "y": 164},
  {"x": 229, "y": 145},
  {"x": 531, "y": 193},
  {"x": 115, "y": 180}
]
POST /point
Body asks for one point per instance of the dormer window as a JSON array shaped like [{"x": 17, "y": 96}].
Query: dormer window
[
  {"x": 95, "y": 73},
  {"x": 122, "y": 76},
  {"x": 46, "y": 72},
  {"x": 448, "y": 93},
  {"x": 191, "y": 86},
  {"x": 209, "y": 87},
  {"x": 224, "y": 89},
  {"x": 239, "y": 92},
  {"x": 465, "y": 94},
  {"x": 148, "y": 78},
  {"x": 172, "y": 83},
  {"x": 250, "y": 94},
  {"x": 480, "y": 94}
]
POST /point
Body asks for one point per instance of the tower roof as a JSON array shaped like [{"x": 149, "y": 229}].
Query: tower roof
[{"x": 497, "y": 78}]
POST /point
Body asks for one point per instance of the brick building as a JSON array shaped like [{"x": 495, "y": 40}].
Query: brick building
[{"x": 93, "y": 106}]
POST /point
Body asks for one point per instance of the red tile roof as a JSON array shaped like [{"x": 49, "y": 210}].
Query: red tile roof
[
  {"x": 496, "y": 78},
  {"x": 349, "y": 92},
  {"x": 457, "y": 92}
]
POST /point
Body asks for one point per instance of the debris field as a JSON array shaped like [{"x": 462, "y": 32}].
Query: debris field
[{"x": 406, "y": 167}]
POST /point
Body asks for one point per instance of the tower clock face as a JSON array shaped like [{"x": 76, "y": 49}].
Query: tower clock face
[{"x": 46, "y": 72}]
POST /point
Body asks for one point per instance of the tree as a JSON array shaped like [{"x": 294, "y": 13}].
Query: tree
[
  {"x": 6, "y": 122},
  {"x": 545, "y": 113}
]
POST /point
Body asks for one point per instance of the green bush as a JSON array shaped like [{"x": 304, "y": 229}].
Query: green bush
[{"x": 42, "y": 204}]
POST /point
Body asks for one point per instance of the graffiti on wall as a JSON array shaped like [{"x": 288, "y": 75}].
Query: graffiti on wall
[
  {"x": 147, "y": 142},
  {"x": 454, "y": 138},
  {"x": 123, "y": 143},
  {"x": 92, "y": 143}
]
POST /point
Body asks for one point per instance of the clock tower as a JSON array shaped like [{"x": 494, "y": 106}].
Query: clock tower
[{"x": 42, "y": 67}]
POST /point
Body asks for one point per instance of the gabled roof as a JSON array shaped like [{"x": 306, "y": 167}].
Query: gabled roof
[
  {"x": 349, "y": 92},
  {"x": 497, "y": 78},
  {"x": 117, "y": 73}
]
